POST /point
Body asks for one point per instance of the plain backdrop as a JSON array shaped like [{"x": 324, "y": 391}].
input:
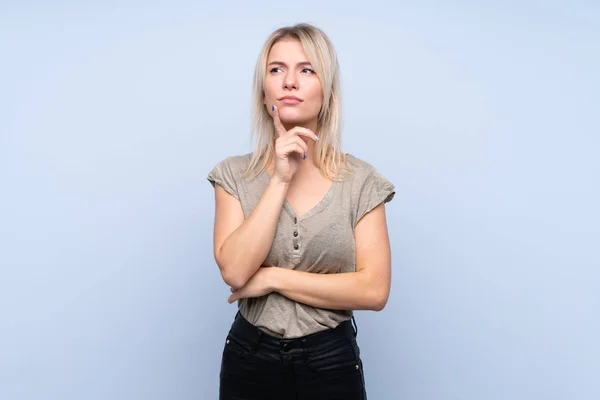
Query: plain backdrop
[{"x": 483, "y": 114}]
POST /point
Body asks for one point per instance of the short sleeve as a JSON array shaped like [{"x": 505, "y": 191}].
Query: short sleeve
[
  {"x": 223, "y": 175},
  {"x": 375, "y": 190}
]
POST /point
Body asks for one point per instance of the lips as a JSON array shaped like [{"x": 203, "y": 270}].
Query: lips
[{"x": 290, "y": 100}]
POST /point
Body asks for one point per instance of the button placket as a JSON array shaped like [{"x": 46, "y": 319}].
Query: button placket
[{"x": 296, "y": 241}]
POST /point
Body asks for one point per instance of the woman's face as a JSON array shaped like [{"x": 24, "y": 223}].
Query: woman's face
[{"x": 292, "y": 85}]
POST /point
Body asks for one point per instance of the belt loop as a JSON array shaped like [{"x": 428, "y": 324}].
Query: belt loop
[{"x": 355, "y": 326}]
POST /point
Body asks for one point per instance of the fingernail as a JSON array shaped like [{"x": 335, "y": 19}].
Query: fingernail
[
  {"x": 272, "y": 108},
  {"x": 316, "y": 137}
]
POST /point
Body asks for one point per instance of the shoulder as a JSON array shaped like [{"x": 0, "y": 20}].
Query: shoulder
[
  {"x": 357, "y": 164},
  {"x": 360, "y": 169},
  {"x": 236, "y": 162},
  {"x": 368, "y": 187},
  {"x": 233, "y": 166},
  {"x": 228, "y": 173},
  {"x": 365, "y": 177},
  {"x": 367, "y": 180}
]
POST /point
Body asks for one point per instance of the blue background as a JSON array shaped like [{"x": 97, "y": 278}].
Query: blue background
[{"x": 483, "y": 114}]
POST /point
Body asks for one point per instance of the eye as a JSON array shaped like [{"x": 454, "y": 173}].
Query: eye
[
  {"x": 274, "y": 69},
  {"x": 310, "y": 71}
]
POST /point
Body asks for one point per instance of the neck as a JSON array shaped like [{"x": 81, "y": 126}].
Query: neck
[{"x": 312, "y": 125}]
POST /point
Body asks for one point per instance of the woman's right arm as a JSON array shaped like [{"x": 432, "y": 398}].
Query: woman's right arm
[{"x": 241, "y": 246}]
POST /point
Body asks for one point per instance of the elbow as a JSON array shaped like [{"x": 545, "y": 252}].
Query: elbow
[
  {"x": 379, "y": 300},
  {"x": 378, "y": 306},
  {"x": 376, "y": 294},
  {"x": 231, "y": 275},
  {"x": 233, "y": 279}
]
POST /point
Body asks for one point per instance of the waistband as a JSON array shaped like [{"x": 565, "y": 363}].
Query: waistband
[{"x": 245, "y": 332}]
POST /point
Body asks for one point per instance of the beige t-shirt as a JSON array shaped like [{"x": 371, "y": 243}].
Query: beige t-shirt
[{"x": 321, "y": 241}]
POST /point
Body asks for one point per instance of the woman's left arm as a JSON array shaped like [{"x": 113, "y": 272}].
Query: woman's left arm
[{"x": 366, "y": 289}]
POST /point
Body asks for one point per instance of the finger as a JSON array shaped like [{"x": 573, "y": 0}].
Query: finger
[
  {"x": 294, "y": 148},
  {"x": 302, "y": 144},
  {"x": 233, "y": 297},
  {"x": 286, "y": 142},
  {"x": 304, "y": 132},
  {"x": 279, "y": 128}
]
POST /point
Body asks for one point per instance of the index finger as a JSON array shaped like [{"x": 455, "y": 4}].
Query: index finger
[
  {"x": 279, "y": 128},
  {"x": 300, "y": 131}
]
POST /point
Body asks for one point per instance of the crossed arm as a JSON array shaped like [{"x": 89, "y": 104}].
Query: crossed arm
[{"x": 366, "y": 289}]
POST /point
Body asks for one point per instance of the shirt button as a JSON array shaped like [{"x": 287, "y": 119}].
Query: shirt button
[
  {"x": 296, "y": 247},
  {"x": 295, "y": 233}
]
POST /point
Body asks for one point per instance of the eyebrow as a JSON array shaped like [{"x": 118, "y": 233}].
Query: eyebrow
[{"x": 282, "y": 63}]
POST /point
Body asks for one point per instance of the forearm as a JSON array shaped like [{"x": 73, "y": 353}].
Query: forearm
[
  {"x": 245, "y": 250},
  {"x": 342, "y": 291}
]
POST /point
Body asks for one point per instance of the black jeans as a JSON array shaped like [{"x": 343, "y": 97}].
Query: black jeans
[{"x": 324, "y": 365}]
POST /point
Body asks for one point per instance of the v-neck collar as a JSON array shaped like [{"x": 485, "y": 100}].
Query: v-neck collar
[{"x": 320, "y": 206}]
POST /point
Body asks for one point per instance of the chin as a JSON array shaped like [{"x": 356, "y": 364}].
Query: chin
[{"x": 290, "y": 116}]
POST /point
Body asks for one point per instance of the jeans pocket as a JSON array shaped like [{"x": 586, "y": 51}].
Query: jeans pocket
[
  {"x": 337, "y": 372},
  {"x": 235, "y": 346},
  {"x": 236, "y": 360},
  {"x": 339, "y": 358}
]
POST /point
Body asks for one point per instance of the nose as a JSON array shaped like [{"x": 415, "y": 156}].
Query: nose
[{"x": 290, "y": 81}]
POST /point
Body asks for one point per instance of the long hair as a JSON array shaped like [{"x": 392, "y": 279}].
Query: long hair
[{"x": 322, "y": 56}]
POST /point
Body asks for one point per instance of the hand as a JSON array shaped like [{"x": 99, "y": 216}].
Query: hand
[
  {"x": 290, "y": 147},
  {"x": 259, "y": 285}
]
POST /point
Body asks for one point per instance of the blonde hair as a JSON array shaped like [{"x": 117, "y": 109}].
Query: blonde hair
[{"x": 321, "y": 54}]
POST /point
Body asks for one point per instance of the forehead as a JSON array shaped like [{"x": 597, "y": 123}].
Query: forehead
[{"x": 287, "y": 50}]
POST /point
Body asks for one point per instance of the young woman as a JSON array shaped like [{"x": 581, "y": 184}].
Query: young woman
[{"x": 300, "y": 233}]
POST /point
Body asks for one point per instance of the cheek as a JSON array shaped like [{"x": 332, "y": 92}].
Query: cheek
[
  {"x": 268, "y": 90},
  {"x": 315, "y": 93},
  {"x": 316, "y": 97}
]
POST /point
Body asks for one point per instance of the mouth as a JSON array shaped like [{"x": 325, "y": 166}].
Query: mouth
[{"x": 290, "y": 100}]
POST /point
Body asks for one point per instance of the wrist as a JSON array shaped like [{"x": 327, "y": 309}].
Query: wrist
[
  {"x": 274, "y": 278},
  {"x": 277, "y": 181}
]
